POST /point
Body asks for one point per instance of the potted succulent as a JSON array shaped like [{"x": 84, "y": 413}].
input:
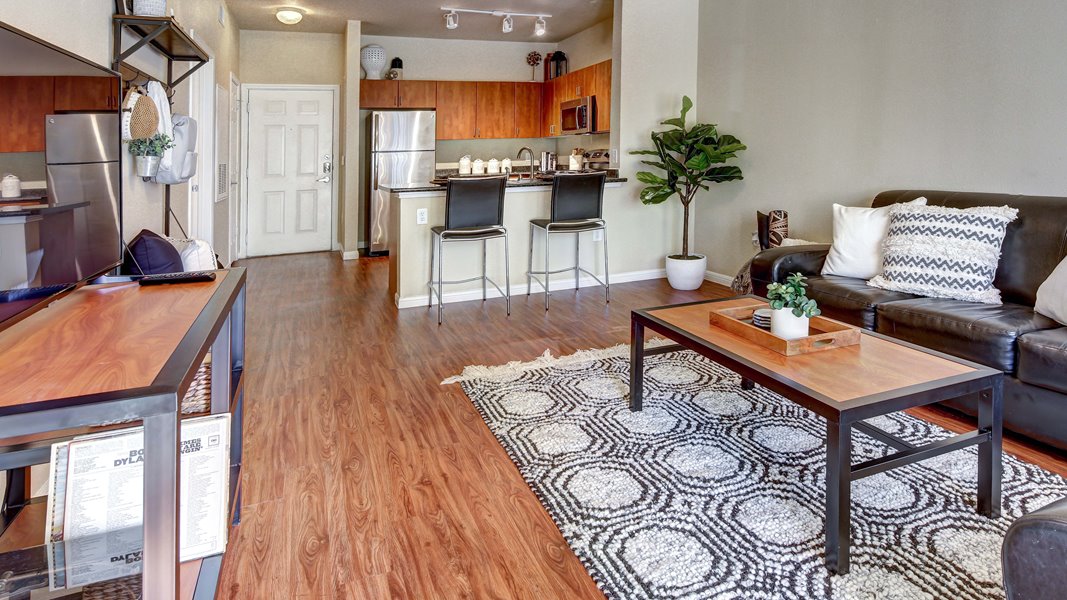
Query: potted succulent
[
  {"x": 147, "y": 151},
  {"x": 691, "y": 158},
  {"x": 791, "y": 309}
]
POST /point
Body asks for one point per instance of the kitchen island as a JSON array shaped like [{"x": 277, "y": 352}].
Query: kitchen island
[{"x": 410, "y": 242}]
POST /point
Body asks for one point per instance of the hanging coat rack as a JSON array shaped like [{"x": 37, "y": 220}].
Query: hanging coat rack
[{"x": 165, "y": 36}]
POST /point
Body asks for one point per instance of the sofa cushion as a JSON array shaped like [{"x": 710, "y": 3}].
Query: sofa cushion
[
  {"x": 1043, "y": 359},
  {"x": 850, "y": 300},
  {"x": 983, "y": 333}
]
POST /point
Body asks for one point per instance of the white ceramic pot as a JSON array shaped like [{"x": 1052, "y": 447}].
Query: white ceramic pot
[
  {"x": 687, "y": 274},
  {"x": 147, "y": 166},
  {"x": 372, "y": 58},
  {"x": 788, "y": 326}
]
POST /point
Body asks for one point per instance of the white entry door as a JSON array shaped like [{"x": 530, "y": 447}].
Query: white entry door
[{"x": 290, "y": 171}]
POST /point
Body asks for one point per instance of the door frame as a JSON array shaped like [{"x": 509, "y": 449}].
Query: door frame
[
  {"x": 236, "y": 170},
  {"x": 246, "y": 90},
  {"x": 201, "y": 188}
]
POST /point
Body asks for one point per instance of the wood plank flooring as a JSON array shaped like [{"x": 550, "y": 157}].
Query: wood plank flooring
[{"x": 366, "y": 478}]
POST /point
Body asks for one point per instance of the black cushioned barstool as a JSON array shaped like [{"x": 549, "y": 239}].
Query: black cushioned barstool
[
  {"x": 577, "y": 207},
  {"x": 474, "y": 211}
]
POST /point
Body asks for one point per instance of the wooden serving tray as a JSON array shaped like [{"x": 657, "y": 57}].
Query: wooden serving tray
[{"x": 826, "y": 334}]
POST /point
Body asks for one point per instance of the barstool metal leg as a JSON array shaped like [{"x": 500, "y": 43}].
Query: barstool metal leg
[
  {"x": 548, "y": 240},
  {"x": 483, "y": 270},
  {"x": 429, "y": 282},
  {"x": 507, "y": 273},
  {"x": 577, "y": 254},
  {"x": 529, "y": 265},
  {"x": 607, "y": 274},
  {"x": 440, "y": 280}
]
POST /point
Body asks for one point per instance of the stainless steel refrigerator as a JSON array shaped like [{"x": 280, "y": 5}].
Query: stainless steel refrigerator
[
  {"x": 82, "y": 154},
  {"x": 402, "y": 155}
]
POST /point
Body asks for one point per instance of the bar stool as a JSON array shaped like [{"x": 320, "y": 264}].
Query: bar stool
[
  {"x": 577, "y": 207},
  {"x": 474, "y": 211}
]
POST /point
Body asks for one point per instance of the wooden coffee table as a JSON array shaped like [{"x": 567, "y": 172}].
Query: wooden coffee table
[{"x": 878, "y": 376}]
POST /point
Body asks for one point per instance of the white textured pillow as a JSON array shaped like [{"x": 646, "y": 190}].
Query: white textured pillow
[
  {"x": 858, "y": 237},
  {"x": 197, "y": 255},
  {"x": 1052, "y": 295}
]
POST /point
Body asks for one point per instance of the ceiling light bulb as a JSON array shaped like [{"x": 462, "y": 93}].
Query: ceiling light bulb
[
  {"x": 289, "y": 16},
  {"x": 539, "y": 26},
  {"x": 509, "y": 24},
  {"x": 451, "y": 20}
]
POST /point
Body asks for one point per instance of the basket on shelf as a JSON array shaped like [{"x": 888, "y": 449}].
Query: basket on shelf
[
  {"x": 125, "y": 588},
  {"x": 150, "y": 8},
  {"x": 198, "y": 398}
]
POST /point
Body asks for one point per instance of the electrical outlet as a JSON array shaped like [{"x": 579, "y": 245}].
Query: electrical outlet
[
  {"x": 421, "y": 216},
  {"x": 598, "y": 235}
]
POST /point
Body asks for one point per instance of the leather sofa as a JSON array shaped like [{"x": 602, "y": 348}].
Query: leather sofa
[
  {"x": 1032, "y": 554},
  {"x": 1030, "y": 348}
]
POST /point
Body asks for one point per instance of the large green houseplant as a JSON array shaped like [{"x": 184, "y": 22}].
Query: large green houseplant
[{"x": 690, "y": 158}]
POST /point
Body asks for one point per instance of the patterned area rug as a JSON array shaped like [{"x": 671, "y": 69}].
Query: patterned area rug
[{"x": 716, "y": 492}]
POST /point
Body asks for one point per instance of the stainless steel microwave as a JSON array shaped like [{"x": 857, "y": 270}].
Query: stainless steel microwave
[{"x": 578, "y": 116}]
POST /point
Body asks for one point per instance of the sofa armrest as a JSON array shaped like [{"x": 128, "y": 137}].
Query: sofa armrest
[
  {"x": 774, "y": 265},
  {"x": 1034, "y": 551}
]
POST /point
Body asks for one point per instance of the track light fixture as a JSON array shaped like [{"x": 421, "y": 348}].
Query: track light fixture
[{"x": 508, "y": 25}]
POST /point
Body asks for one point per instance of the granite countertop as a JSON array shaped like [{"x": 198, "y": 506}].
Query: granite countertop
[
  {"x": 523, "y": 183},
  {"x": 28, "y": 195},
  {"x": 29, "y": 207}
]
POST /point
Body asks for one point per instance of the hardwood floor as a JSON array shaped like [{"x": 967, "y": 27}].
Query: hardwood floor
[{"x": 366, "y": 478}]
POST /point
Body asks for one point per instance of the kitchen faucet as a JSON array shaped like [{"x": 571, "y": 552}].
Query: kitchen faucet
[{"x": 529, "y": 151}]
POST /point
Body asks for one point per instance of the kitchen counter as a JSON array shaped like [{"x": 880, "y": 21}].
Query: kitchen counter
[
  {"x": 28, "y": 196},
  {"x": 522, "y": 183}
]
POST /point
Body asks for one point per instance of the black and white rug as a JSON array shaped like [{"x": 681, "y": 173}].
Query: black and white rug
[{"x": 716, "y": 492}]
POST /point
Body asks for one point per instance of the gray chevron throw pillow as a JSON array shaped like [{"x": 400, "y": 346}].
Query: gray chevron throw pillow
[{"x": 944, "y": 252}]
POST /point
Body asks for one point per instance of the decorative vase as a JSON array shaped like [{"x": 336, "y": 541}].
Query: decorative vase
[
  {"x": 372, "y": 57},
  {"x": 147, "y": 166},
  {"x": 687, "y": 273},
  {"x": 788, "y": 326}
]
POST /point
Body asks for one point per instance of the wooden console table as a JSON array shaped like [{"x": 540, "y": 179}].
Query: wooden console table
[{"x": 116, "y": 353}]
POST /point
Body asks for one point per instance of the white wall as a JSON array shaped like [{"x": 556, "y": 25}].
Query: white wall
[
  {"x": 840, "y": 99},
  {"x": 284, "y": 57},
  {"x": 589, "y": 46},
  {"x": 460, "y": 60},
  {"x": 350, "y": 223}
]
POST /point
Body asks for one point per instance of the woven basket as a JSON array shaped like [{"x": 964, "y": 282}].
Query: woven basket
[
  {"x": 150, "y": 8},
  {"x": 126, "y": 588},
  {"x": 198, "y": 398}
]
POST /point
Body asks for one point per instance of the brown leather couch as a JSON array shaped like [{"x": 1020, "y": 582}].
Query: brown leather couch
[{"x": 1030, "y": 348}]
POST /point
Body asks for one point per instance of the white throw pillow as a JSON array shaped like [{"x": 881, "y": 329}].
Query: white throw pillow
[
  {"x": 858, "y": 237},
  {"x": 197, "y": 255},
  {"x": 1052, "y": 295}
]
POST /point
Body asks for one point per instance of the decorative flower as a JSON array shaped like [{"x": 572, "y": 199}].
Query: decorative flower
[{"x": 533, "y": 59}]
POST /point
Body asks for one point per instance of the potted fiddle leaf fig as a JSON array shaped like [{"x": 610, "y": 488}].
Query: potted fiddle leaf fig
[
  {"x": 690, "y": 159},
  {"x": 147, "y": 152},
  {"x": 791, "y": 309}
]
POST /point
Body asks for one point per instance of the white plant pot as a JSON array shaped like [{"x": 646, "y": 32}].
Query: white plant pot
[
  {"x": 687, "y": 274},
  {"x": 372, "y": 59},
  {"x": 788, "y": 326},
  {"x": 147, "y": 166}
]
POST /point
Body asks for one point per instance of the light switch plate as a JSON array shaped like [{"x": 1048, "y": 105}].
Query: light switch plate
[{"x": 421, "y": 216}]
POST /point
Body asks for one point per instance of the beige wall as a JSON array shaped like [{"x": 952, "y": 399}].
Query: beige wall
[
  {"x": 840, "y": 99},
  {"x": 589, "y": 46},
  {"x": 460, "y": 60},
  {"x": 292, "y": 57},
  {"x": 81, "y": 26}
]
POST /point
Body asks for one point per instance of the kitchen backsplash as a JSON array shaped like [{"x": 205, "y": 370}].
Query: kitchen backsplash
[
  {"x": 28, "y": 166},
  {"x": 450, "y": 151}
]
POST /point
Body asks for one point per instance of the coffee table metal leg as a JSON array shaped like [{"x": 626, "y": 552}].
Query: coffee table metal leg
[
  {"x": 637, "y": 364},
  {"x": 990, "y": 418},
  {"x": 838, "y": 495}
]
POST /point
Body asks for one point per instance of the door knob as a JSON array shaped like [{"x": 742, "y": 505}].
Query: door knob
[{"x": 323, "y": 179}]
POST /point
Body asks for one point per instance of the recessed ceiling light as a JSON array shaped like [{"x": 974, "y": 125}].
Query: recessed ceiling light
[
  {"x": 452, "y": 20},
  {"x": 539, "y": 26},
  {"x": 289, "y": 16},
  {"x": 509, "y": 24}
]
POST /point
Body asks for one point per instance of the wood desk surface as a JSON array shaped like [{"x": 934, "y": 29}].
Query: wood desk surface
[
  {"x": 874, "y": 366},
  {"x": 100, "y": 338}
]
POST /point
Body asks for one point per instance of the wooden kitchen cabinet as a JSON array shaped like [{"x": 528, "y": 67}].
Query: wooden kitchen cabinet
[
  {"x": 457, "y": 105},
  {"x": 496, "y": 110},
  {"x": 24, "y": 103},
  {"x": 378, "y": 93},
  {"x": 549, "y": 110},
  {"x": 527, "y": 110},
  {"x": 601, "y": 88},
  {"x": 86, "y": 93},
  {"x": 417, "y": 94}
]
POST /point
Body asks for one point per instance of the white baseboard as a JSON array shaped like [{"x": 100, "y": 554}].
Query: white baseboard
[
  {"x": 718, "y": 278},
  {"x": 519, "y": 289},
  {"x": 349, "y": 254}
]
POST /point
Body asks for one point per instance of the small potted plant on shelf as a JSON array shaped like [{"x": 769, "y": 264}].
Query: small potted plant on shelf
[
  {"x": 147, "y": 151},
  {"x": 791, "y": 309},
  {"x": 691, "y": 158}
]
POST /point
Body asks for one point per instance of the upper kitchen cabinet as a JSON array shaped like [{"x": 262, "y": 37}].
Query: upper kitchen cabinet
[
  {"x": 601, "y": 88},
  {"x": 457, "y": 104},
  {"x": 496, "y": 110},
  {"x": 528, "y": 110},
  {"x": 86, "y": 93},
  {"x": 23, "y": 105},
  {"x": 590, "y": 81},
  {"x": 549, "y": 110},
  {"x": 417, "y": 94},
  {"x": 378, "y": 93}
]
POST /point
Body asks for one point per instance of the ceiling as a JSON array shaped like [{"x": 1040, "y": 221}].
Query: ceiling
[{"x": 424, "y": 18}]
